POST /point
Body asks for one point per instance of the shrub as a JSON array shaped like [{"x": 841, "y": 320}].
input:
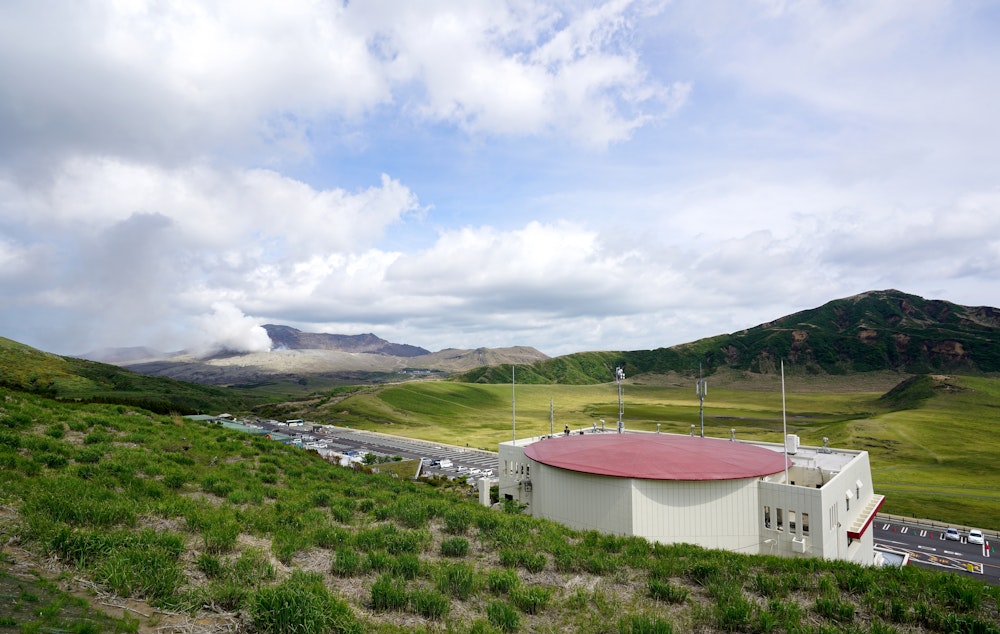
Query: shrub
[
  {"x": 346, "y": 563},
  {"x": 502, "y": 581},
  {"x": 330, "y": 536},
  {"x": 389, "y": 593},
  {"x": 391, "y": 539},
  {"x": 530, "y": 561},
  {"x": 456, "y": 521},
  {"x": 141, "y": 572},
  {"x": 379, "y": 561},
  {"x": 458, "y": 579},
  {"x": 406, "y": 565},
  {"x": 666, "y": 591},
  {"x": 642, "y": 624},
  {"x": 343, "y": 511},
  {"x": 173, "y": 480},
  {"x": 833, "y": 608},
  {"x": 252, "y": 567},
  {"x": 210, "y": 565},
  {"x": 429, "y": 603},
  {"x": 530, "y": 599},
  {"x": 503, "y": 616},
  {"x": 301, "y": 604},
  {"x": 224, "y": 594},
  {"x": 455, "y": 547},
  {"x": 97, "y": 437},
  {"x": 220, "y": 537}
]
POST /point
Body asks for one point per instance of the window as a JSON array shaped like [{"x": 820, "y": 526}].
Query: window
[
  {"x": 791, "y": 521},
  {"x": 767, "y": 517},
  {"x": 805, "y": 523},
  {"x": 780, "y": 523}
]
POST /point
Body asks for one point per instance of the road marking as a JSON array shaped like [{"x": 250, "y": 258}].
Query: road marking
[
  {"x": 891, "y": 541},
  {"x": 923, "y": 533},
  {"x": 904, "y": 529},
  {"x": 885, "y": 527},
  {"x": 930, "y": 548}
]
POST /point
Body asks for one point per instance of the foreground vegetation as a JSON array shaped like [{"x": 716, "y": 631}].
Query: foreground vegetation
[{"x": 180, "y": 526}]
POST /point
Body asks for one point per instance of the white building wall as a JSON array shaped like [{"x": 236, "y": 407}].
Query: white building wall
[
  {"x": 713, "y": 514},
  {"x": 716, "y": 514},
  {"x": 829, "y": 515},
  {"x": 582, "y": 501},
  {"x": 807, "y": 535},
  {"x": 844, "y": 502}
]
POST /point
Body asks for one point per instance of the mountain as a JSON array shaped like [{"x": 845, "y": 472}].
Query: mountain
[
  {"x": 26, "y": 369},
  {"x": 288, "y": 338},
  {"x": 336, "y": 358},
  {"x": 872, "y": 331}
]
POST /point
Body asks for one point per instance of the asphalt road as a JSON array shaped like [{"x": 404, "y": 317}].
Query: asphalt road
[
  {"x": 927, "y": 547},
  {"x": 344, "y": 439}
]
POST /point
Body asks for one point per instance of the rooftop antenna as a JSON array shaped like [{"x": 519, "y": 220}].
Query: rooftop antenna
[
  {"x": 784, "y": 422},
  {"x": 619, "y": 377},
  {"x": 701, "y": 389},
  {"x": 513, "y": 406}
]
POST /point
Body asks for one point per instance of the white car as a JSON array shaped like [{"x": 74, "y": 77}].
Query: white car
[
  {"x": 976, "y": 536},
  {"x": 952, "y": 534}
]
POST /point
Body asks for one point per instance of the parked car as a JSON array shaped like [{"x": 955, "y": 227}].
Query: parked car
[
  {"x": 976, "y": 536},
  {"x": 952, "y": 534}
]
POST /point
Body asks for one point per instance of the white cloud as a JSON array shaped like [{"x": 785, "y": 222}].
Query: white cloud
[
  {"x": 227, "y": 328},
  {"x": 461, "y": 173},
  {"x": 254, "y": 212},
  {"x": 180, "y": 81}
]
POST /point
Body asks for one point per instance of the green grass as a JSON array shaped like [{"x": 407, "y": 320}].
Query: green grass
[{"x": 210, "y": 523}]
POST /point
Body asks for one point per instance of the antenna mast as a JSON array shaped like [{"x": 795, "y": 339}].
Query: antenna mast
[
  {"x": 784, "y": 423},
  {"x": 513, "y": 406},
  {"x": 701, "y": 389},
  {"x": 619, "y": 377}
]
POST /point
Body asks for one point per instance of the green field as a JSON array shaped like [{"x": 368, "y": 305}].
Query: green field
[
  {"x": 933, "y": 449},
  {"x": 115, "y": 519}
]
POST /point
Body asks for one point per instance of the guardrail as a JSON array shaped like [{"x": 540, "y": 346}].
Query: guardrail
[{"x": 994, "y": 535}]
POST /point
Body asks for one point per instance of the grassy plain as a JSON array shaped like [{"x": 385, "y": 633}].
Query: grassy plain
[
  {"x": 936, "y": 458},
  {"x": 169, "y": 525}
]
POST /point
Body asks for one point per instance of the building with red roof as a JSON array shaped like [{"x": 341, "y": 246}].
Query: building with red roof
[{"x": 748, "y": 497}]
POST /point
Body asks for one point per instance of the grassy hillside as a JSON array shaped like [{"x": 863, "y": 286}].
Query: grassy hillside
[
  {"x": 27, "y": 369},
  {"x": 932, "y": 440},
  {"x": 871, "y": 332},
  {"x": 192, "y": 527}
]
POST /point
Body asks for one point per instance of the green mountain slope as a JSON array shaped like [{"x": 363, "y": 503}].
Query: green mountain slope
[
  {"x": 874, "y": 331},
  {"x": 195, "y": 527},
  {"x": 26, "y": 369}
]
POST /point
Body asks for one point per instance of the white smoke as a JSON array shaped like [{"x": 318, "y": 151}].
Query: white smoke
[{"x": 227, "y": 328}]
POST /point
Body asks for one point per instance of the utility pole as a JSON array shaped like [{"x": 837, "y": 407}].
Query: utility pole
[
  {"x": 619, "y": 377},
  {"x": 701, "y": 389}
]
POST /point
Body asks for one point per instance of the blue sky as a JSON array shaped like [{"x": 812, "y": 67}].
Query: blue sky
[{"x": 565, "y": 175}]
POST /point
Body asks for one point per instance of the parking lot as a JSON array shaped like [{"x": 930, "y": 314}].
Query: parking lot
[{"x": 464, "y": 461}]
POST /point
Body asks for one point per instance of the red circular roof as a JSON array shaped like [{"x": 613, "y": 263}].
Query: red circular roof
[{"x": 657, "y": 456}]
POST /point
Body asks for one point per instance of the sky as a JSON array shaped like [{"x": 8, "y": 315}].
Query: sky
[{"x": 567, "y": 175}]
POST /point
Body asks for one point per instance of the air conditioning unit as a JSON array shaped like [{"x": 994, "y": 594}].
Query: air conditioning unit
[
  {"x": 791, "y": 444},
  {"x": 798, "y": 545}
]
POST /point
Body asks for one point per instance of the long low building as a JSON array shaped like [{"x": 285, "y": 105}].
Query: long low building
[{"x": 749, "y": 497}]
